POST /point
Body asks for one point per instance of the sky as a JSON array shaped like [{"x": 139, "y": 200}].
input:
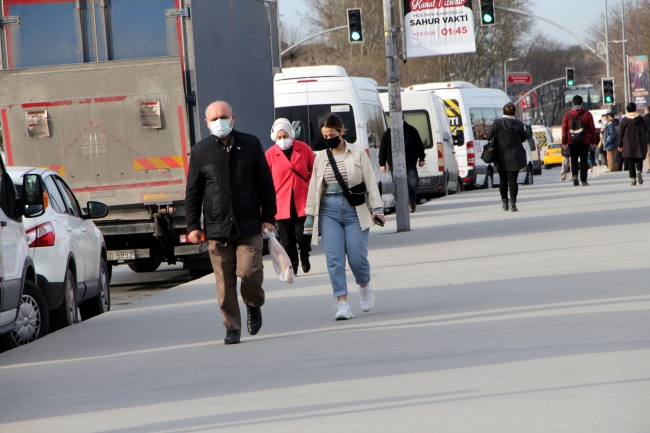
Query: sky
[{"x": 562, "y": 12}]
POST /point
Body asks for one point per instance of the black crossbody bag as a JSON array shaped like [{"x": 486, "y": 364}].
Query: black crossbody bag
[
  {"x": 356, "y": 195},
  {"x": 491, "y": 150}
]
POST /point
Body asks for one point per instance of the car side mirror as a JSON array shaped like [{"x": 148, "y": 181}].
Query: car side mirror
[
  {"x": 529, "y": 132},
  {"x": 96, "y": 210},
  {"x": 34, "y": 197}
]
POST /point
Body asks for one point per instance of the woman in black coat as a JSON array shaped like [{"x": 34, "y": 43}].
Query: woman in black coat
[
  {"x": 509, "y": 134},
  {"x": 633, "y": 142}
]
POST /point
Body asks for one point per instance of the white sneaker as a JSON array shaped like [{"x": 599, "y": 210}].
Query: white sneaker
[
  {"x": 367, "y": 298},
  {"x": 344, "y": 312}
]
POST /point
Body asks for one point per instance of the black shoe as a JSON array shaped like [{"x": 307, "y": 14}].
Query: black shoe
[
  {"x": 306, "y": 266},
  {"x": 575, "y": 181},
  {"x": 254, "y": 319},
  {"x": 295, "y": 270},
  {"x": 639, "y": 178},
  {"x": 412, "y": 207},
  {"x": 585, "y": 183},
  {"x": 232, "y": 337},
  {"x": 633, "y": 182},
  {"x": 504, "y": 204},
  {"x": 513, "y": 205}
]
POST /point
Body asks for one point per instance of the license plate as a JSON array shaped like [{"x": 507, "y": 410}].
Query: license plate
[{"x": 121, "y": 255}]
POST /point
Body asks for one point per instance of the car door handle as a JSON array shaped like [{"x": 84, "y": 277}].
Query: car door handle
[
  {"x": 83, "y": 229},
  {"x": 3, "y": 223},
  {"x": 69, "y": 229}
]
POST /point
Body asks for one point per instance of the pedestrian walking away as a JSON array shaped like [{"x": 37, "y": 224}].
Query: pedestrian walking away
[
  {"x": 647, "y": 122},
  {"x": 414, "y": 155},
  {"x": 291, "y": 162},
  {"x": 509, "y": 134},
  {"x": 230, "y": 179},
  {"x": 610, "y": 143},
  {"x": 566, "y": 164},
  {"x": 342, "y": 204},
  {"x": 580, "y": 135},
  {"x": 633, "y": 145}
]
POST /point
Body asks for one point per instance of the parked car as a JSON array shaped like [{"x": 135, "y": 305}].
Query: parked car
[
  {"x": 553, "y": 155},
  {"x": 23, "y": 310},
  {"x": 67, "y": 248}
]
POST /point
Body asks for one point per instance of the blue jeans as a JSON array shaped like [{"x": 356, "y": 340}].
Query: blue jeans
[
  {"x": 342, "y": 234},
  {"x": 413, "y": 181}
]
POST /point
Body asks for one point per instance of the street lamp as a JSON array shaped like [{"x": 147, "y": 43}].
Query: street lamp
[{"x": 505, "y": 74}]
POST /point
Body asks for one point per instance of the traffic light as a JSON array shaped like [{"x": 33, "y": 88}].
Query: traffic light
[
  {"x": 355, "y": 30},
  {"x": 608, "y": 91},
  {"x": 487, "y": 12},
  {"x": 570, "y": 77}
]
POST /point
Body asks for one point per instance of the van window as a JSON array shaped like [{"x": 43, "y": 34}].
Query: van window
[
  {"x": 375, "y": 124},
  {"x": 310, "y": 117},
  {"x": 455, "y": 121},
  {"x": 419, "y": 119},
  {"x": 482, "y": 119}
]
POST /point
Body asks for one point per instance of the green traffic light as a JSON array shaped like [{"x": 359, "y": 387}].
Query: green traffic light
[
  {"x": 570, "y": 82},
  {"x": 355, "y": 36},
  {"x": 608, "y": 98},
  {"x": 487, "y": 18}
]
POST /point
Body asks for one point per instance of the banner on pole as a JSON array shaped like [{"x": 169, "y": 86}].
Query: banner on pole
[
  {"x": 638, "y": 66},
  {"x": 438, "y": 27}
]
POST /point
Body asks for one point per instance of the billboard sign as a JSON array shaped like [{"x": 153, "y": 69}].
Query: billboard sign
[
  {"x": 638, "y": 67},
  {"x": 438, "y": 27}
]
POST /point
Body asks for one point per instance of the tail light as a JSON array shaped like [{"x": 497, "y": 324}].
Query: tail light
[
  {"x": 546, "y": 153},
  {"x": 471, "y": 156},
  {"x": 368, "y": 152},
  {"x": 41, "y": 236},
  {"x": 185, "y": 239},
  {"x": 441, "y": 159}
]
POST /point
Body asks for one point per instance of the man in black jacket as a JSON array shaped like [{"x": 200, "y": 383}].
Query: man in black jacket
[
  {"x": 414, "y": 151},
  {"x": 230, "y": 179}
]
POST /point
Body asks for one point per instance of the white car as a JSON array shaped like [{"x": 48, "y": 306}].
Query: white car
[{"x": 67, "y": 248}]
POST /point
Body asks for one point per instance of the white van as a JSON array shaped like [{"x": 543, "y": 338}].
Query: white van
[
  {"x": 471, "y": 112},
  {"x": 543, "y": 136},
  {"x": 426, "y": 113},
  {"x": 305, "y": 95}
]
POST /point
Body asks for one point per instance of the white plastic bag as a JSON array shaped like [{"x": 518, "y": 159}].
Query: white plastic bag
[{"x": 280, "y": 258}]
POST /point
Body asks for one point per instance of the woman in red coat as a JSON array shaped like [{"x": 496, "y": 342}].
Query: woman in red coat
[{"x": 291, "y": 162}]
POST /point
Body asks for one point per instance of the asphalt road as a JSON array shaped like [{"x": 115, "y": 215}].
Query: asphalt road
[{"x": 485, "y": 321}]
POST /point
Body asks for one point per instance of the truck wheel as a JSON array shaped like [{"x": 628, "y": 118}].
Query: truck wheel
[
  {"x": 144, "y": 266},
  {"x": 198, "y": 273},
  {"x": 102, "y": 302},
  {"x": 33, "y": 319},
  {"x": 66, "y": 314}
]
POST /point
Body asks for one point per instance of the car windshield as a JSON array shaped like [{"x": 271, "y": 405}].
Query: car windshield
[
  {"x": 310, "y": 117},
  {"x": 554, "y": 146}
]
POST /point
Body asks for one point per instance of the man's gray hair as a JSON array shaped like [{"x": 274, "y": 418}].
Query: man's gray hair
[{"x": 217, "y": 102}]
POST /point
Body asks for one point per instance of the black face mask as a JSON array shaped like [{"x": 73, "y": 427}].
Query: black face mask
[{"x": 333, "y": 143}]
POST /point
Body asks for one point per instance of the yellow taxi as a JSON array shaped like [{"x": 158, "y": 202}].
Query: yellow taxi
[{"x": 553, "y": 155}]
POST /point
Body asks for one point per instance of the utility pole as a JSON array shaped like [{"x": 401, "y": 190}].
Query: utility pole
[
  {"x": 396, "y": 118},
  {"x": 607, "y": 42},
  {"x": 626, "y": 75}
]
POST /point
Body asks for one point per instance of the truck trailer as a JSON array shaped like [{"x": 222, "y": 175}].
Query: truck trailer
[{"x": 112, "y": 96}]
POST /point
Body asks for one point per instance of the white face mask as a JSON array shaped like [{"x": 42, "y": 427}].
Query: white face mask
[
  {"x": 220, "y": 127},
  {"x": 284, "y": 143}
]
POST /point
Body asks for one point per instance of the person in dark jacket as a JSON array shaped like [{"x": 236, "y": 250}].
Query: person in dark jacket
[
  {"x": 610, "y": 142},
  {"x": 230, "y": 179},
  {"x": 647, "y": 122},
  {"x": 414, "y": 154},
  {"x": 510, "y": 134},
  {"x": 580, "y": 140},
  {"x": 633, "y": 143}
]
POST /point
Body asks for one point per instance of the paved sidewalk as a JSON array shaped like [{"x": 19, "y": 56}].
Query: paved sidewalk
[{"x": 484, "y": 321}]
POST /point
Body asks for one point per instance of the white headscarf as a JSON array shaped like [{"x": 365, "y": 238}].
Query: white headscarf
[{"x": 282, "y": 125}]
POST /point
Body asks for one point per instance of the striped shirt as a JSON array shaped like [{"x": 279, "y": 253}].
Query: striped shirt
[{"x": 328, "y": 175}]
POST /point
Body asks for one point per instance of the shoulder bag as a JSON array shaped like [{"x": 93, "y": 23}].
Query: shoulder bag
[
  {"x": 356, "y": 195},
  {"x": 490, "y": 153}
]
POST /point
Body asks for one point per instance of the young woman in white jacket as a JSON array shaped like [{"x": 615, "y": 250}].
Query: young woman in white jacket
[{"x": 344, "y": 228}]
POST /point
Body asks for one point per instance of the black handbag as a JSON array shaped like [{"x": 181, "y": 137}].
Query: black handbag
[
  {"x": 356, "y": 195},
  {"x": 490, "y": 153}
]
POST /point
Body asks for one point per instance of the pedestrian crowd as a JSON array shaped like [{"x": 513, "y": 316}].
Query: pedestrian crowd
[{"x": 241, "y": 192}]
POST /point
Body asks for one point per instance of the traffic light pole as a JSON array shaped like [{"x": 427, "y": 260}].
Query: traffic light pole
[{"x": 396, "y": 118}]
